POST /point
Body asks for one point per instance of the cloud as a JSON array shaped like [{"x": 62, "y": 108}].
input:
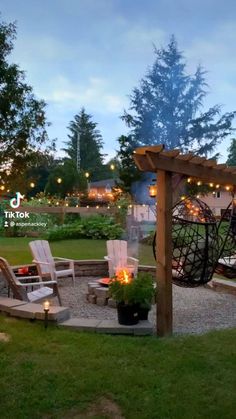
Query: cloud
[{"x": 95, "y": 94}]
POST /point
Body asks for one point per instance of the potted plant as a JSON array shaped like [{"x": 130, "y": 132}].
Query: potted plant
[
  {"x": 124, "y": 294},
  {"x": 144, "y": 293},
  {"x": 133, "y": 297}
]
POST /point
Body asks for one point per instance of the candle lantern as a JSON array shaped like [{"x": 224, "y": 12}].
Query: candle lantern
[{"x": 152, "y": 190}]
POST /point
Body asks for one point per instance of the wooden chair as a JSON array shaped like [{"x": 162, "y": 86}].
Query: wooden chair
[
  {"x": 117, "y": 257},
  {"x": 19, "y": 289},
  {"x": 45, "y": 262}
]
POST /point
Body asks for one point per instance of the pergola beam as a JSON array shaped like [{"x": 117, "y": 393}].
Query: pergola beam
[{"x": 196, "y": 166}]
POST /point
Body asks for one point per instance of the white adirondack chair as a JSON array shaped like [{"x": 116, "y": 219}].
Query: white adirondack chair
[
  {"x": 19, "y": 289},
  {"x": 117, "y": 257},
  {"x": 45, "y": 262}
]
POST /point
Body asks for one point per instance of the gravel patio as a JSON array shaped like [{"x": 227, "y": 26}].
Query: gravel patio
[{"x": 196, "y": 310}]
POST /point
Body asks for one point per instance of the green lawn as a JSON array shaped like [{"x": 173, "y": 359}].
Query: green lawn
[
  {"x": 16, "y": 250},
  {"x": 58, "y": 374}
]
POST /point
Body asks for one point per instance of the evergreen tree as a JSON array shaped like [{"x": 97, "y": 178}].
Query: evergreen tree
[
  {"x": 22, "y": 116},
  {"x": 167, "y": 107},
  {"x": 231, "y": 161},
  {"x": 128, "y": 172},
  {"x": 90, "y": 139}
]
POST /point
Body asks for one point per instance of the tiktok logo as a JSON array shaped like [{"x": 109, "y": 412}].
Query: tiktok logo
[{"x": 15, "y": 202}]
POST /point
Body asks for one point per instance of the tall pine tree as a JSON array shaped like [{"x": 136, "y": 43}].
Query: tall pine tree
[
  {"x": 90, "y": 139},
  {"x": 167, "y": 107}
]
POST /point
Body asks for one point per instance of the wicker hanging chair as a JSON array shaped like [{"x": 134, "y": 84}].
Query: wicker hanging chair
[
  {"x": 195, "y": 243},
  {"x": 227, "y": 234}
]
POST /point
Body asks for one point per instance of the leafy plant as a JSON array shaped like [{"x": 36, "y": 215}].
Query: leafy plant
[
  {"x": 138, "y": 291},
  {"x": 123, "y": 292},
  {"x": 144, "y": 289}
]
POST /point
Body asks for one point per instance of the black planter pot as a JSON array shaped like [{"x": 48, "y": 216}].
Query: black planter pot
[
  {"x": 143, "y": 313},
  {"x": 127, "y": 314}
]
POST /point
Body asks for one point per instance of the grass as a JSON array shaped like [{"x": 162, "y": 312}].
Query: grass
[
  {"x": 58, "y": 374},
  {"x": 16, "y": 250}
]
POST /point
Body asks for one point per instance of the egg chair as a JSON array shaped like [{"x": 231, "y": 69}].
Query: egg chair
[
  {"x": 195, "y": 243},
  {"x": 227, "y": 235}
]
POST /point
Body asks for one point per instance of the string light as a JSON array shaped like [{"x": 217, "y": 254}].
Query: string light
[
  {"x": 32, "y": 184},
  {"x": 183, "y": 197},
  {"x": 227, "y": 188},
  {"x": 217, "y": 186},
  {"x": 2, "y": 187},
  {"x": 189, "y": 180},
  {"x": 199, "y": 183},
  {"x": 211, "y": 185},
  {"x": 59, "y": 180}
]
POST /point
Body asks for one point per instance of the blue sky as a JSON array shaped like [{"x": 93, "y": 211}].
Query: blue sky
[{"x": 92, "y": 53}]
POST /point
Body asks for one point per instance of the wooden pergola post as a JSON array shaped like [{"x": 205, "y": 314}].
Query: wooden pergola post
[
  {"x": 156, "y": 159},
  {"x": 164, "y": 254}
]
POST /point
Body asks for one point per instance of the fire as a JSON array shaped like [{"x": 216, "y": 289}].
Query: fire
[{"x": 123, "y": 275}]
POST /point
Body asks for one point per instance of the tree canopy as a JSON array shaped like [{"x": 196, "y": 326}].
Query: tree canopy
[
  {"x": 90, "y": 143},
  {"x": 128, "y": 172},
  {"x": 22, "y": 116},
  {"x": 167, "y": 107},
  {"x": 231, "y": 161}
]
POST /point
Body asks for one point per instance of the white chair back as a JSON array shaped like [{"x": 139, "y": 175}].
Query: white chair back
[{"x": 41, "y": 252}]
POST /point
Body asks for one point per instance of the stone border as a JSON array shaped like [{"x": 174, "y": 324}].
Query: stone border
[
  {"x": 32, "y": 311},
  {"x": 222, "y": 285},
  {"x": 61, "y": 316},
  {"x": 96, "y": 267},
  {"x": 143, "y": 328}
]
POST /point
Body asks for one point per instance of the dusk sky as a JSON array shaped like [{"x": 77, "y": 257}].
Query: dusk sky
[{"x": 92, "y": 53}]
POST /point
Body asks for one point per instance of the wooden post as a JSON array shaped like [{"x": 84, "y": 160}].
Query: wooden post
[{"x": 164, "y": 253}]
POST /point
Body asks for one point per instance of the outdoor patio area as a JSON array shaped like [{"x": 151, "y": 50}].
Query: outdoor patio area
[{"x": 196, "y": 310}]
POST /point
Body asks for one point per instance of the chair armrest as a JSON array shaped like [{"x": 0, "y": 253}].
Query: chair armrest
[
  {"x": 39, "y": 261},
  {"x": 107, "y": 258},
  {"x": 37, "y": 283},
  {"x": 134, "y": 259},
  {"x": 71, "y": 261},
  {"x": 65, "y": 259},
  {"x": 29, "y": 277}
]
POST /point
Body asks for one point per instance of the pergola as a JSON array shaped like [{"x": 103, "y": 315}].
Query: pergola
[{"x": 165, "y": 164}]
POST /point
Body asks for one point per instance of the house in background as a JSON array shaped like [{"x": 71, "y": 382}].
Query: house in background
[
  {"x": 218, "y": 201},
  {"x": 101, "y": 191}
]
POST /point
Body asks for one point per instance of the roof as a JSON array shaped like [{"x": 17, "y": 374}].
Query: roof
[{"x": 102, "y": 183}]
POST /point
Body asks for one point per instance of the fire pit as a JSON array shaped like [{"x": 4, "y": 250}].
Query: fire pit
[
  {"x": 104, "y": 282},
  {"x": 98, "y": 292}
]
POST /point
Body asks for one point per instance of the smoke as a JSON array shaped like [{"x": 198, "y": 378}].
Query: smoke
[{"x": 140, "y": 189}]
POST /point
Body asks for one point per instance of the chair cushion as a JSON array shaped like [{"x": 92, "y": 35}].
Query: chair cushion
[{"x": 228, "y": 261}]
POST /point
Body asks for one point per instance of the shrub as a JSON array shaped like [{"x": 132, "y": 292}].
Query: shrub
[{"x": 95, "y": 227}]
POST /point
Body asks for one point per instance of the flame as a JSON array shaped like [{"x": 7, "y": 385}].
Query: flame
[{"x": 123, "y": 275}]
